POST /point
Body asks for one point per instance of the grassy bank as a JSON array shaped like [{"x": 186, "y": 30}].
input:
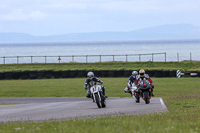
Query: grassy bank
[
  {"x": 181, "y": 95},
  {"x": 164, "y": 87},
  {"x": 185, "y": 65}
]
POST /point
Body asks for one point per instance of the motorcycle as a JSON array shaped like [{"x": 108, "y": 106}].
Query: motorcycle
[
  {"x": 145, "y": 91},
  {"x": 135, "y": 93},
  {"x": 97, "y": 95}
]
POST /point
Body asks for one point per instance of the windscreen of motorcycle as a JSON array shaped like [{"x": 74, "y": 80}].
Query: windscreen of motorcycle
[{"x": 95, "y": 88}]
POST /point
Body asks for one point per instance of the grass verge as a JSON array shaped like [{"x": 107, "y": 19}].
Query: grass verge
[
  {"x": 8, "y": 103},
  {"x": 184, "y": 66},
  {"x": 181, "y": 95}
]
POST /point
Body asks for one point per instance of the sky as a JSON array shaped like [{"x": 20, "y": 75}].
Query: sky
[{"x": 55, "y": 17}]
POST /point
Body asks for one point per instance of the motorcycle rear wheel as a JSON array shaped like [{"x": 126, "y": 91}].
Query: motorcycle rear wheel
[
  {"x": 103, "y": 103},
  {"x": 103, "y": 100}
]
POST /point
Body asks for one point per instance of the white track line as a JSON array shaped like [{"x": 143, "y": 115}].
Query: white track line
[{"x": 163, "y": 105}]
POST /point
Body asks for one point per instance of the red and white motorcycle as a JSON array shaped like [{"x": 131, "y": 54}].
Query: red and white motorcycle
[
  {"x": 97, "y": 95},
  {"x": 133, "y": 91}
]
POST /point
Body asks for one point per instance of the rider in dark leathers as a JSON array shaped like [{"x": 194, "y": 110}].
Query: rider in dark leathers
[
  {"x": 142, "y": 76},
  {"x": 132, "y": 79},
  {"x": 87, "y": 86}
]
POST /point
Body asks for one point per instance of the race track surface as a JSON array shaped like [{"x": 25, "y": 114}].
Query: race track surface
[{"x": 63, "y": 108}]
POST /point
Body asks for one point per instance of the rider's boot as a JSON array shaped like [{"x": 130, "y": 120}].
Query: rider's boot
[
  {"x": 137, "y": 101},
  {"x": 130, "y": 93},
  {"x": 88, "y": 94},
  {"x": 152, "y": 94},
  {"x": 152, "y": 91}
]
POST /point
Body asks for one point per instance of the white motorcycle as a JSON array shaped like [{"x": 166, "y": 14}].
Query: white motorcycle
[
  {"x": 133, "y": 91},
  {"x": 97, "y": 95}
]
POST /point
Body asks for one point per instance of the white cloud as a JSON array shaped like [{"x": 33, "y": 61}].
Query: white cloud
[
  {"x": 95, "y": 15},
  {"x": 99, "y": 6},
  {"x": 22, "y": 15}
]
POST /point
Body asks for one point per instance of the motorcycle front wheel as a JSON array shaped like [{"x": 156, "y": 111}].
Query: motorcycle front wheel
[
  {"x": 146, "y": 96},
  {"x": 98, "y": 102}
]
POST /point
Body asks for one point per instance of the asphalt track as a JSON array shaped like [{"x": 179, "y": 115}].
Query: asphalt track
[{"x": 63, "y": 108}]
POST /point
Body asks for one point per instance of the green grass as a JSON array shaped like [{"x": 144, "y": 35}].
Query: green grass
[
  {"x": 182, "y": 97},
  {"x": 8, "y": 103},
  {"x": 114, "y": 87},
  {"x": 185, "y": 66}
]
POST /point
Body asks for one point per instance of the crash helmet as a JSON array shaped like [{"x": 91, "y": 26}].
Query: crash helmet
[
  {"x": 90, "y": 75},
  {"x": 134, "y": 73},
  {"x": 141, "y": 72}
]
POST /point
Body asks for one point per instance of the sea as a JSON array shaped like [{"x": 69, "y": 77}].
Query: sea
[{"x": 100, "y": 51}]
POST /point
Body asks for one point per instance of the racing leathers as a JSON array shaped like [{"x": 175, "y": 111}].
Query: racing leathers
[
  {"x": 89, "y": 82},
  {"x": 140, "y": 79},
  {"x": 132, "y": 79}
]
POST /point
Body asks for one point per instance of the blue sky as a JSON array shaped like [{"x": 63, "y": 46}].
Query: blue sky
[{"x": 51, "y": 17}]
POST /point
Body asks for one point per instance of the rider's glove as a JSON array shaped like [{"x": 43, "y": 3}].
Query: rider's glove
[{"x": 85, "y": 86}]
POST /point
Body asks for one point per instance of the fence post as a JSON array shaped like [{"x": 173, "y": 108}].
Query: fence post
[
  {"x": 139, "y": 57},
  {"x": 59, "y": 58},
  {"x": 72, "y": 58},
  {"x": 177, "y": 57},
  {"x": 4, "y": 60},
  {"x": 190, "y": 56},
  {"x": 100, "y": 58},
  {"x": 17, "y": 59},
  {"x": 113, "y": 58},
  {"x": 152, "y": 57},
  {"x": 45, "y": 59},
  {"x": 86, "y": 58},
  {"x": 126, "y": 58},
  {"x": 165, "y": 57},
  {"x": 31, "y": 59}
]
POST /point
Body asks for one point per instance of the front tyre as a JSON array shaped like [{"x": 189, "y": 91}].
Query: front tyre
[
  {"x": 98, "y": 102},
  {"x": 146, "y": 96}
]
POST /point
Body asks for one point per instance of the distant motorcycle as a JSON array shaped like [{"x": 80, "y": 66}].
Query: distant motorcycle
[
  {"x": 145, "y": 91},
  {"x": 97, "y": 95}
]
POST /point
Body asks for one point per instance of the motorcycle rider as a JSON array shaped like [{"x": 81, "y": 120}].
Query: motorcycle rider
[
  {"x": 132, "y": 79},
  {"x": 146, "y": 76},
  {"x": 90, "y": 77}
]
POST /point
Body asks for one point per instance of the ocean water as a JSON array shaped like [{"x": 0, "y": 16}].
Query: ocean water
[{"x": 175, "y": 51}]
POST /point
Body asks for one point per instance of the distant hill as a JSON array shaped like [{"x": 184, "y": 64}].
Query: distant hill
[{"x": 164, "y": 32}]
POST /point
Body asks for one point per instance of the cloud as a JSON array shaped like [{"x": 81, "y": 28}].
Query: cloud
[
  {"x": 19, "y": 15},
  {"x": 94, "y": 15},
  {"x": 42, "y": 8}
]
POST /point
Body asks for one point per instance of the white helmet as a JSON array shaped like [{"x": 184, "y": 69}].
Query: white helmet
[
  {"x": 90, "y": 74},
  {"x": 134, "y": 73}
]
